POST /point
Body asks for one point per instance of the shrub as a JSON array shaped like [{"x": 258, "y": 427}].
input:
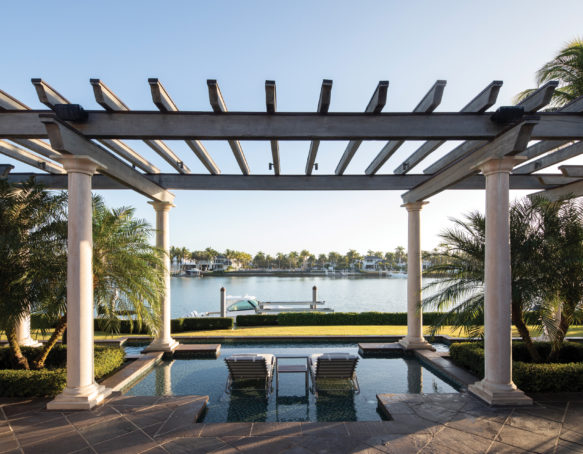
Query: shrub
[
  {"x": 200, "y": 324},
  {"x": 257, "y": 320},
  {"x": 52, "y": 380},
  {"x": 565, "y": 375},
  {"x": 120, "y": 326}
]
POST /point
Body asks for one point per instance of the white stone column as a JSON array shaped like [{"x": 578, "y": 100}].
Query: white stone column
[
  {"x": 163, "y": 341},
  {"x": 164, "y": 378},
  {"x": 414, "y": 339},
  {"x": 23, "y": 336},
  {"x": 497, "y": 387},
  {"x": 81, "y": 392}
]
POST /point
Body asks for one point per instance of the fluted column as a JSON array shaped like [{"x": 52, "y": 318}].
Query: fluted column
[
  {"x": 164, "y": 341},
  {"x": 81, "y": 392},
  {"x": 497, "y": 387},
  {"x": 414, "y": 339}
]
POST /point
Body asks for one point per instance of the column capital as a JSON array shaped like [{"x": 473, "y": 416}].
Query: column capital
[
  {"x": 414, "y": 206},
  {"x": 499, "y": 165},
  {"x": 162, "y": 206},
  {"x": 80, "y": 164}
]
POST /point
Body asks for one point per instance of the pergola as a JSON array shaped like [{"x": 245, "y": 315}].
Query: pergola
[{"x": 86, "y": 150}]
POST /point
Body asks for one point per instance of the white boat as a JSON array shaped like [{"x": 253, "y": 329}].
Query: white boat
[{"x": 398, "y": 274}]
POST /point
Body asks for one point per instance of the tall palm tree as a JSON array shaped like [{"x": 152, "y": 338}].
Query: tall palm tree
[
  {"x": 128, "y": 274},
  {"x": 567, "y": 68}
]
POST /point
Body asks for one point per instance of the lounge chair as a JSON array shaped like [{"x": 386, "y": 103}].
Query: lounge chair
[
  {"x": 325, "y": 366},
  {"x": 250, "y": 367}
]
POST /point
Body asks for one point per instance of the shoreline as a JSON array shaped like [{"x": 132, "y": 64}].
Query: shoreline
[{"x": 288, "y": 274}]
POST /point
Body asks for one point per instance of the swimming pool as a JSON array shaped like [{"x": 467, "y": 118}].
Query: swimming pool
[{"x": 208, "y": 377}]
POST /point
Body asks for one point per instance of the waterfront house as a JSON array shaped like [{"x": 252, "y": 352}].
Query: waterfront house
[{"x": 371, "y": 263}]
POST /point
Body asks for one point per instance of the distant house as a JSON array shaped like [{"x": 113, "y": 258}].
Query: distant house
[
  {"x": 370, "y": 263},
  {"x": 219, "y": 263}
]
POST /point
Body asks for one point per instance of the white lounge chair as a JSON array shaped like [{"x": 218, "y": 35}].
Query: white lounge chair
[
  {"x": 325, "y": 366},
  {"x": 250, "y": 366}
]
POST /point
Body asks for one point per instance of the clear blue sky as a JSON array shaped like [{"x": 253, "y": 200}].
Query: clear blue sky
[{"x": 298, "y": 44}]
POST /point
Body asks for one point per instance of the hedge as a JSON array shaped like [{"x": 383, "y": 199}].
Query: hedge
[
  {"x": 331, "y": 318},
  {"x": 52, "y": 380},
  {"x": 177, "y": 325},
  {"x": 566, "y": 375}
]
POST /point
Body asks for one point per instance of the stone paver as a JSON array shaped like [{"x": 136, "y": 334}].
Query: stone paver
[{"x": 431, "y": 423}]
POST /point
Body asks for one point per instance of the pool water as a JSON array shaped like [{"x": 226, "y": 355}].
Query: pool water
[{"x": 292, "y": 403}]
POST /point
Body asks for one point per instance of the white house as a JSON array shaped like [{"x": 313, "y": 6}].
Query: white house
[{"x": 370, "y": 263}]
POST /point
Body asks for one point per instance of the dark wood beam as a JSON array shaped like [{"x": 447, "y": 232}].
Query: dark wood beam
[
  {"x": 271, "y": 106},
  {"x": 323, "y": 106}
]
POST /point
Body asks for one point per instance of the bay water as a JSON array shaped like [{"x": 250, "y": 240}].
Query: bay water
[{"x": 343, "y": 294}]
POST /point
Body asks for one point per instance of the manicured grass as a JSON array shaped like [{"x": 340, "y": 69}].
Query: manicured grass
[{"x": 352, "y": 330}]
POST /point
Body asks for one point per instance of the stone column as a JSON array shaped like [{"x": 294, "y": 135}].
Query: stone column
[
  {"x": 23, "y": 332},
  {"x": 164, "y": 341},
  {"x": 81, "y": 392},
  {"x": 414, "y": 339},
  {"x": 497, "y": 387},
  {"x": 164, "y": 378}
]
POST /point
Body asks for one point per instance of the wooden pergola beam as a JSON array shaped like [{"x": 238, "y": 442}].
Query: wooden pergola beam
[
  {"x": 164, "y": 103},
  {"x": 107, "y": 99},
  {"x": 68, "y": 140},
  {"x": 553, "y": 158},
  {"x": 271, "y": 106},
  {"x": 572, "y": 171},
  {"x": 427, "y": 105},
  {"x": 50, "y": 97},
  {"x": 375, "y": 106},
  {"x": 574, "y": 189},
  {"x": 534, "y": 102},
  {"x": 219, "y": 106},
  {"x": 323, "y": 106},
  {"x": 173, "y": 181},
  {"x": 14, "y": 152},
  {"x": 509, "y": 143},
  {"x": 484, "y": 100}
]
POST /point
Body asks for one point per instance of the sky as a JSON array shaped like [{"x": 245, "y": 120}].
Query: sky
[{"x": 297, "y": 44}]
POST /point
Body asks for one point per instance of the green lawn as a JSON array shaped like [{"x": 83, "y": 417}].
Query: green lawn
[{"x": 291, "y": 331}]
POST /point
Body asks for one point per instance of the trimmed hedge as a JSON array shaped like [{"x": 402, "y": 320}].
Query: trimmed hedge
[
  {"x": 257, "y": 320},
  {"x": 562, "y": 376},
  {"x": 177, "y": 325},
  {"x": 52, "y": 380},
  {"x": 331, "y": 318}
]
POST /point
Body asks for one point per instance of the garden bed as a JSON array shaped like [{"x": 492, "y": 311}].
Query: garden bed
[
  {"x": 565, "y": 375},
  {"x": 51, "y": 381}
]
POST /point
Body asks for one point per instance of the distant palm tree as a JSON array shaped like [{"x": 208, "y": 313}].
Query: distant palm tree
[{"x": 567, "y": 68}]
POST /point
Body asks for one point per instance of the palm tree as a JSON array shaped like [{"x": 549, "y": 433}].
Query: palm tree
[
  {"x": 32, "y": 241},
  {"x": 128, "y": 274},
  {"x": 567, "y": 68},
  {"x": 542, "y": 235}
]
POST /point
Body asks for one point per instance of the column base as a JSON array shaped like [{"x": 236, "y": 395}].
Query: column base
[
  {"x": 415, "y": 343},
  {"x": 80, "y": 398},
  {"x": 159, "y": 345},
  {"x": 495, "y": 394}
]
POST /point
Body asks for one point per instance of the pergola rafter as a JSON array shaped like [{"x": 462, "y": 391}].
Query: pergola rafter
[{"x": 323, "y": 106}]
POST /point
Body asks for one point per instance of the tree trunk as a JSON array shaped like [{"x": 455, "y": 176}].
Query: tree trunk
[
  {"x": 518, "y": 321},
  {"x": 561, "y": 334},
  {"x": 39, "y": 362},
  {"x": 18, "y": 359}
]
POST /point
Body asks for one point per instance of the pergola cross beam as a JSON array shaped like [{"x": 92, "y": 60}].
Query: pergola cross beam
[
  {"x": 323, "y": 106},
  {"x": 271, "y": 106}
]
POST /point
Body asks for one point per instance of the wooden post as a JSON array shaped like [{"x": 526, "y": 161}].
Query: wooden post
[
  {"x": 314, "y": 297},
  {"x": 223, "y": 302}
]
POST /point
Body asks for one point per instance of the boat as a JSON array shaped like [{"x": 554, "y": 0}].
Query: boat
[
  {"x": 250, "y": 305},
  {"x": 398, "y": 274}
]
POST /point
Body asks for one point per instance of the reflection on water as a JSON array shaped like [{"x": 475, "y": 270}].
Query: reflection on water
[
  {"x": 342, "y": 294},
  {"x": 292, "y": 403}
]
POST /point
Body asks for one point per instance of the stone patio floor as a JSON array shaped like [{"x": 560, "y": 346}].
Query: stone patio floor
[{"x": 451, "y": 423}]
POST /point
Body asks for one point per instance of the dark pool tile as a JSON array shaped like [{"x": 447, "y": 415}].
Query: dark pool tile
[
  {"x": 572, "y": 436},
  {"x": 87, "y": 418},
  {"x": 330, "y": 444},
  {"x": 64, "y": 443},
  {"x": 107, "y": 430},
  {"x": 226, "y": 429},
  {"x": 565, "y": 447},
  {"x": 529, "y": 441},
  {"x": 198, "y": 446},
  {"x": 534, "y": 423},
  {"x": 484, "y": 427},
  {"x": 13, "y": 407},
  {"x": 7, "y": 442},
  {"x": 262, "y": 445},
  {"x": 131, "y": 443},
  {"x": 398, "y": 443},
  {"x": 461, "y": 442},
  {"x": 324, "y": 429},
  {"x": 277, "y": 429}
]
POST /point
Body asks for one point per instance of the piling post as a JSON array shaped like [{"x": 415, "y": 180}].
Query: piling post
[
  {"x": 314, "y": 297},
  {"x": 223, "y": 302}
]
